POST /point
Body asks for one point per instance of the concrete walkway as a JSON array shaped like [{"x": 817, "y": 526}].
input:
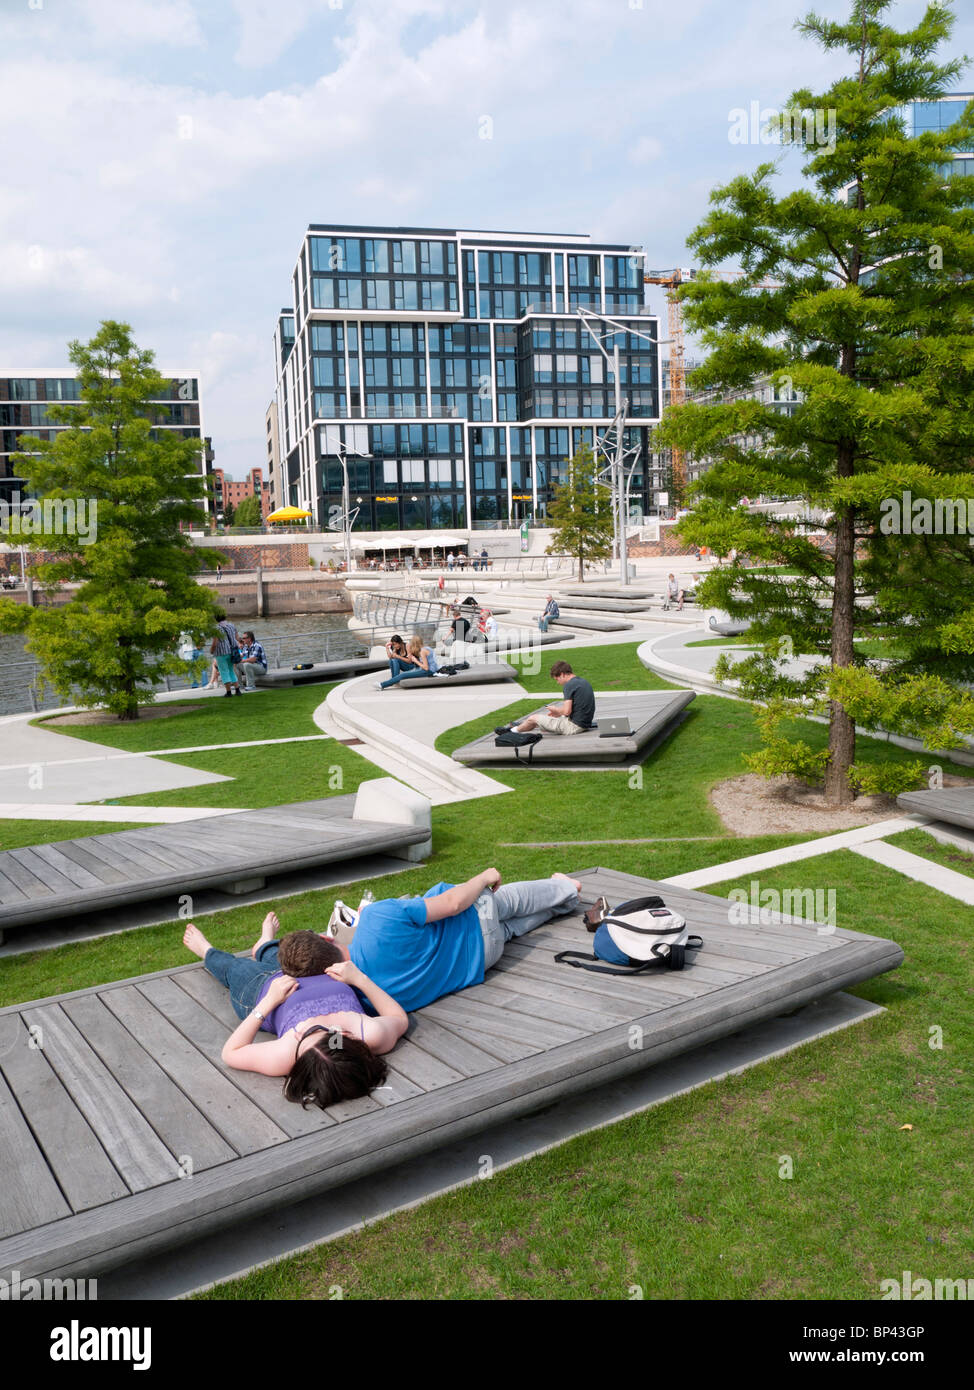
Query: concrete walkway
[{"x": 34, "y": 769}]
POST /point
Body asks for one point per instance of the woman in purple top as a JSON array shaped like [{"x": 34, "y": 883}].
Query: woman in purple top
[{"x": 327, "y": 1047}]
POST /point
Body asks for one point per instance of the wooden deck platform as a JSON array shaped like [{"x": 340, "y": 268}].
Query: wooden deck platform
[
  {"x": 652, "y": 715},
  {"x": 124, "y": 1133},
  {"x": 238, "y": 851},
  {"x": 954, "y": 805}
]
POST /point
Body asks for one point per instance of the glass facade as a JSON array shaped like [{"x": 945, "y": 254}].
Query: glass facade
[
  {"x": 24, "y": 416},
  {"x": 452, "y": 348}
]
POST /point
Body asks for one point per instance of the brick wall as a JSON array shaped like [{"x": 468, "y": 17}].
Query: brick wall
[{"x": 281, "y": 555}]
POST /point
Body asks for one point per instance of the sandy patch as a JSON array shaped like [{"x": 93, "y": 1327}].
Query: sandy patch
[
  {"x": 98, "y": 716},
  {"x": 752, "y": 805}
]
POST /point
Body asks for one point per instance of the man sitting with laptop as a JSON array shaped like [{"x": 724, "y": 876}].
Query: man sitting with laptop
[{"x": 573, "y": 715}]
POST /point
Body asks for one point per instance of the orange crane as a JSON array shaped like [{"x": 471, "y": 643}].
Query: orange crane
[{"x": 670, "y": 281}]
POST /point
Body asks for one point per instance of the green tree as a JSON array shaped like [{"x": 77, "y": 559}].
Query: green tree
[
  {"x": 229, "y": 515},
  {"x": 581, "y": 513},
  {"x": 247, "y": 512},
  {"x": 870, "y": 330},
  {"x": 132, "y": 485}
]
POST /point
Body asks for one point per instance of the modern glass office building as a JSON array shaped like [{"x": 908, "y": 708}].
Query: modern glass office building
[
  {"x": 26, "y": 393},
  {"x": 453, "y": 372}
]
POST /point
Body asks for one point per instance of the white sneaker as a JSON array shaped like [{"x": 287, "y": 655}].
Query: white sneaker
[{"x": 376, "y": 685}]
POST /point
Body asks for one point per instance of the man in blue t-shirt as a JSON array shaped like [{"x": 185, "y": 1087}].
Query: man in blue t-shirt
[{"x": 418, "y": 949}]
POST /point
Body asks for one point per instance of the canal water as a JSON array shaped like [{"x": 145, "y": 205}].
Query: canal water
[{"x": 296, "y": 637}]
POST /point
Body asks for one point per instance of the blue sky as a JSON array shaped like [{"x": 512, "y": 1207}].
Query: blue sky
[{"x": 163, "y": 157}]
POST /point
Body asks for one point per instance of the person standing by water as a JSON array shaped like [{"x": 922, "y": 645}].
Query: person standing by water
[{"x": 227, "y": 652}]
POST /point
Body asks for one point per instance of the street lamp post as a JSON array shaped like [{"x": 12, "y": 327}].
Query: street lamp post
[{"x": 618, "y": 485}]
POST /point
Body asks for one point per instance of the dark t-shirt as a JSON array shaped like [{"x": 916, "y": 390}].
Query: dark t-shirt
[
  {"x": 460, "y": 627},
  {"x": 582, "y": 697}
]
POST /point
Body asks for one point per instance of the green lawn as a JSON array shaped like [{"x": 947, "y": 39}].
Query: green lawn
[
  {"x": 919, "y": 842},
  {"x": 267, "y": 714},
  {"x": 20, "y": 834},
  {"x": 686, "y": 1200}
]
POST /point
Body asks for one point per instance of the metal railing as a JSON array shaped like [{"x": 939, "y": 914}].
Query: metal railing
[{"x": 386, "y": 610}]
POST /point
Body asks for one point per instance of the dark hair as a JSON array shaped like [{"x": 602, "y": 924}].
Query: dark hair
[
  {"x": 561, "y": 668},
  {"x": 249, "y": 634},
  {"x": 307, "y": 953},
  {"x": 219, "y": 614},
  {"x": 333, "y": 1069},
  {"x": 396, "y": 638}
]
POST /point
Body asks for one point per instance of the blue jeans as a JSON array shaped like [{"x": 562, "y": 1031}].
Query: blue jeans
[
  {"x": 543, "y": 624},
  {"x": 243, "y": 977},
  {"x": 517, "y": 908},
  {"x": 403, "y": 673}
]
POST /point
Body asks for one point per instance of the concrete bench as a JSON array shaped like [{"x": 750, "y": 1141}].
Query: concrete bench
[
  {"x": 596, "y": 624},
  {"x": 478, "y": 674},
  {"x": 652, "y": 715},
  {"x": 322, "y": 671}
]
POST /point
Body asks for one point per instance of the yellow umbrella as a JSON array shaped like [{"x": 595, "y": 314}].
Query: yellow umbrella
[{"x": 287, "y": 514}]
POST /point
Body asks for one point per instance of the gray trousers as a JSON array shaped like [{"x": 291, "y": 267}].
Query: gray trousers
[{"x": 516, "y": 908}]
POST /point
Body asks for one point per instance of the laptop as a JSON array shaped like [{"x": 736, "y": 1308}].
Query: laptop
[{"x": 616, "y": 727}]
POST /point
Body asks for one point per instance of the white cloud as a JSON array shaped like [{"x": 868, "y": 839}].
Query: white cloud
[
  {"x": 141, "y": 22},
  {"x": 646, "y": 149}
]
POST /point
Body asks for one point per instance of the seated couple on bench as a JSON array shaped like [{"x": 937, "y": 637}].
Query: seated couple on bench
[{"x": 337, "y": 1006}]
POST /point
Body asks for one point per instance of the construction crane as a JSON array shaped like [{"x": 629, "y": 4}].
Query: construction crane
[{"x": 671, "y": 280}]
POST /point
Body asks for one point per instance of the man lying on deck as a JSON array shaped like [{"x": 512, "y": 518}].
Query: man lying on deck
[
  {"x": 327, "y": 1047},
  {"x": 419, "y": 949}
]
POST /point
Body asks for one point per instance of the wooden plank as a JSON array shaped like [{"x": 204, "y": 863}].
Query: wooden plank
[
  {"x": 66, "y": 867},
  {"x": 9, "y": 892},
  {"x": 209, "y": 993},
  {"x": 136, "y": 1150},
  {"x": 179, "y": 1124},
  {"x": 439, "y": 1042},
  {"x": 31, "y": 1197},
  {"x": 238, "y": 1119},
  {"x": 85, "y": 1173},
  {"x": 178, "y": 999},
  {"x": 424, "y": 1070},
  {"x": 135, "y": 861},
  {"x": 504, "y": 1049},
  {"x": 528, "y": 997},
  {"x": 39, "y": 872},
  {"x": 501, "y": 1023},
  {"x": 88, "y": 858},
  {"x": 595, "y": 1011},
  {"x": 396, "y": 1088},
  {"x": 637, "y": 993}
]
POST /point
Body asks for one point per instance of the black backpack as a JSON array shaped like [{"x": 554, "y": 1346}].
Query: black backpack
[{"x": 518, "y": 741}]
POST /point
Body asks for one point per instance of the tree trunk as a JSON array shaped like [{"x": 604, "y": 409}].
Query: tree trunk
[
  {"x": 842, "y": 729},
  {"x": 581, "y": 569}
]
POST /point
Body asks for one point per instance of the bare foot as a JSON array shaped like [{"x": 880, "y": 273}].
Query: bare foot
[
  {"x": 573, "y": 881},
  {"x": 195, "y": 941},
  {"x": 271, "y": 926}
]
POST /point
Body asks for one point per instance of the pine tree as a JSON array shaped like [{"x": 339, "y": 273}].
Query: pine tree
[
  {"x": 871, "y": 327},
  {"x": 134, "y": 485},
  {"x": 581, "y": 513},
  {"x": 247, "y": 512}
]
